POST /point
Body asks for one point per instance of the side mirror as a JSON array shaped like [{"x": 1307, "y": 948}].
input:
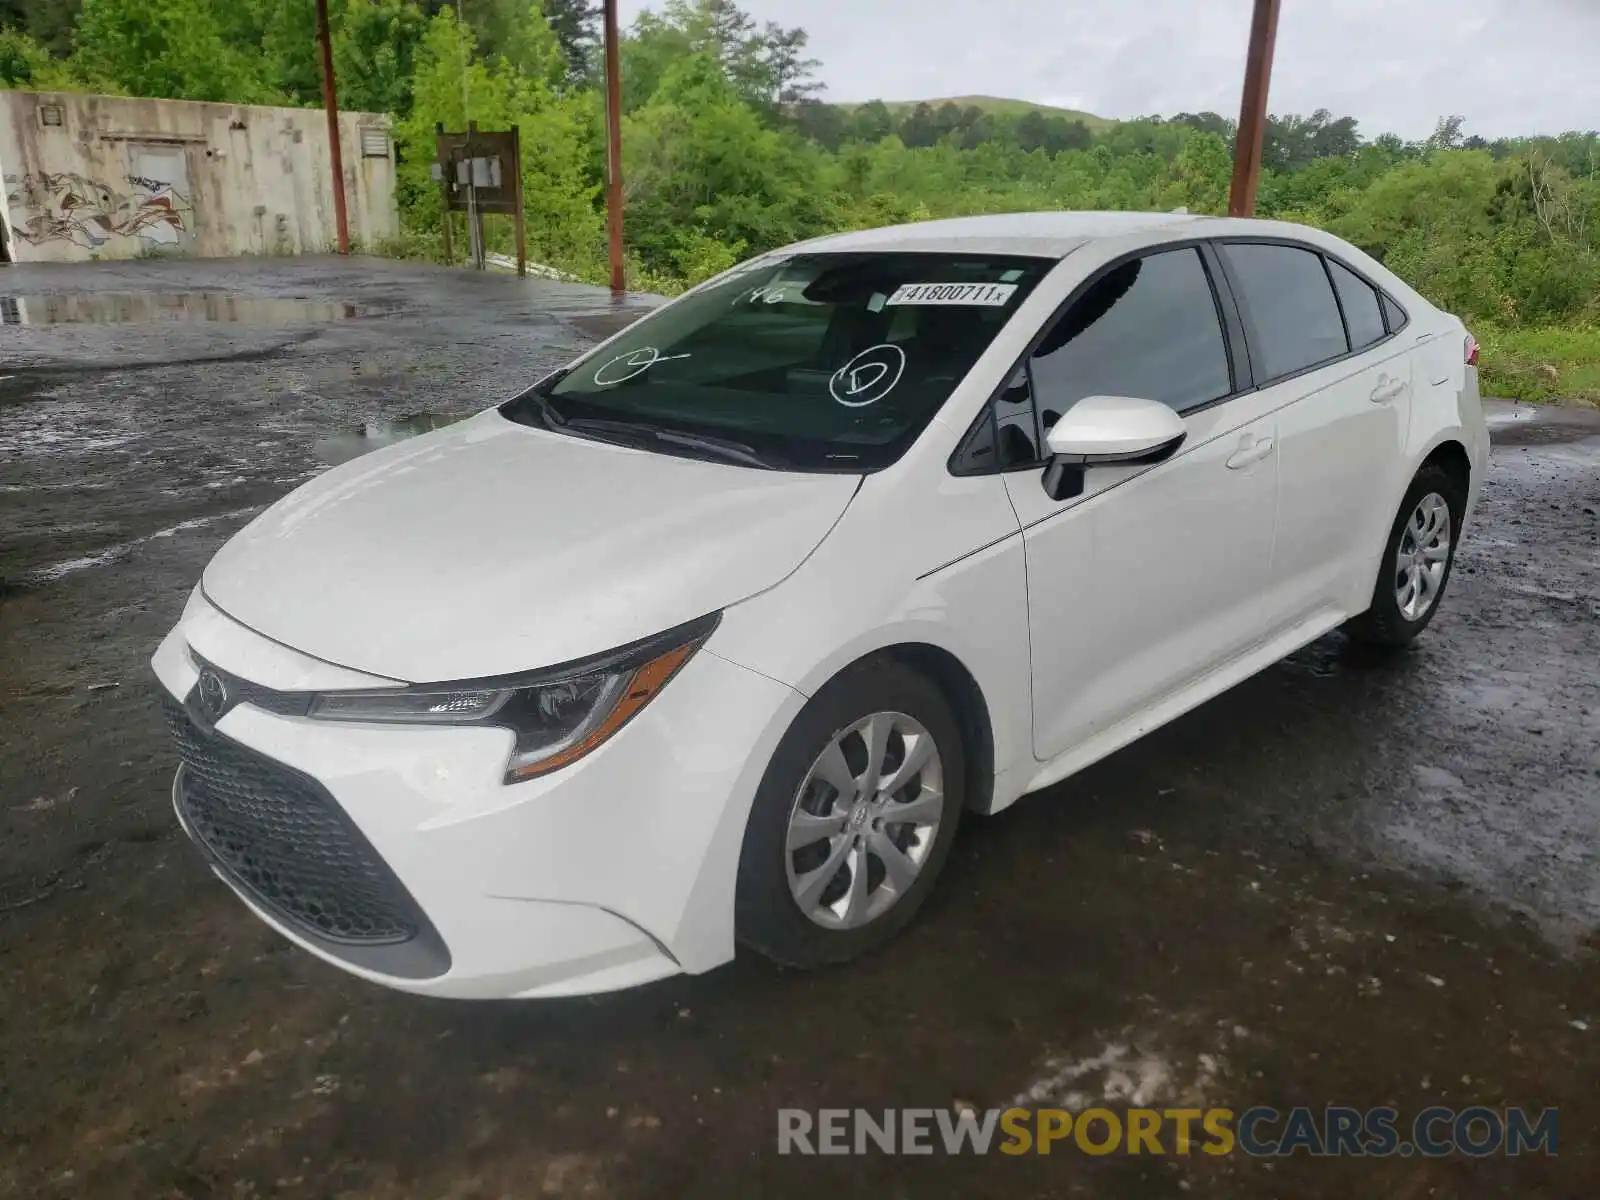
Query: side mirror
[{"x": 1102, "y": 430}]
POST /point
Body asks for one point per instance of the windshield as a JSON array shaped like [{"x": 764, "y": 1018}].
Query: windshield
[{"x": 811, "y": 362}]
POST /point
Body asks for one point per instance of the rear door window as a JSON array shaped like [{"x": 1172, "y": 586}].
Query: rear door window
[
  {"x": 1289, "y": 306},
  {"x": 1363, "y": 312}
]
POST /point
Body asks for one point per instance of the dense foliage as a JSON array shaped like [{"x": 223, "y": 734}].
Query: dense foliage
[{"x": 729, "y": 151}]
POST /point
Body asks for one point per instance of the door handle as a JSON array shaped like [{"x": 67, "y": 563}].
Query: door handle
[
  {"x": 1251, "y": 450},
  {"x": 1388, "y": 389}
]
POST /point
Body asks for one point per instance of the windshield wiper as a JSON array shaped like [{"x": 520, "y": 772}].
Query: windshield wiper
[
  {"x": 639, "y": 431},
  {"x": 633, "y": 431},
  {"x": 639, "y": 434},
  {"x": 732, "y": 451},
  {"x": 517, "y": 407}
]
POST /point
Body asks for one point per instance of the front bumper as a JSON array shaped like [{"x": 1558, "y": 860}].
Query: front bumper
[{"x": 612, "y": 872}]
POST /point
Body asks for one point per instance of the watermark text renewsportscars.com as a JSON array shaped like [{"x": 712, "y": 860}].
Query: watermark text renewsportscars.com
[{"x": 1475, "y": 1132}]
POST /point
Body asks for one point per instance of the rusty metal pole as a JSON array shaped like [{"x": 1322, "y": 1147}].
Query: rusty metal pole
[
  {"x": 447, "y": 170},
  {"x": 330, "y": 101},
  {"x": 613, "y": 146},
  {"x": 521, "y": 225},
  {"x": 1253, "y": 110}
]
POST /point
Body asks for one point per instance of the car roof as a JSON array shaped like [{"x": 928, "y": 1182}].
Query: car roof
[
  {"x": 1043, "y": 234},
  {"x": 1058, "y": 234}
]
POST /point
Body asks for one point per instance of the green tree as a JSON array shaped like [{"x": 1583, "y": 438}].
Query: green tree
[
  {"x": 576, "y": 24},
  {"x": 1207, "y": 122},
  {"x": 825, "y": 124},
  {"x": 374, "y": 53},
  {"x": 765, "y": 66},
  {"x": 47, "y": 22},
  {"x": 25, "y": 63},
  {"x": 1202, "y": 174},
  {"x": 1061, "y": 134},
  {"x": 700, "y": 164},
  {"x": 651, "y": 46},
  {"x": 920, "y": 127},
  {"x": 1447, "y": 133},
  {"x": 517, "y": 32},
  {"x": 784, "y": 72},
  {"x": 277, "y": 40},
  {"x": 175, "y": 50},
  {"x": 947, "y": 119},
  {"x": 871, "y": 122},
  {"x": 559, "y": 190},
  {"x": 977, "y": 129},
  {"x": 1031, "y": 130}
]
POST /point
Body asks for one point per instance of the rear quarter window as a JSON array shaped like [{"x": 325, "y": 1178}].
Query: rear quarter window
[
  {"x": 1394, "y": 314},
  {"x": 1363, "y": 311}
]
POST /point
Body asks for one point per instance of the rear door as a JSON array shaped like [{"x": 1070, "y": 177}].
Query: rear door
[{"x": 1340, "y": 384}]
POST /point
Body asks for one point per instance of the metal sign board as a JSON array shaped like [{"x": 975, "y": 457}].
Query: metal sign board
[{"x": 485, "y": 162}]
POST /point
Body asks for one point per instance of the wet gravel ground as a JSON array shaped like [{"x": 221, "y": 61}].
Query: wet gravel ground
[{"x": 1349, "y": 881}]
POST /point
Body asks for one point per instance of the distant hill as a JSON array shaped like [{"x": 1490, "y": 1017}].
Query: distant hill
[{"x": 998, "y": 104}]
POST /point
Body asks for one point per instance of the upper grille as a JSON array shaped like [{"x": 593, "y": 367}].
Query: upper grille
[
  {"x": 243, "y": 691},
  {"x": 284, "y": 840}
]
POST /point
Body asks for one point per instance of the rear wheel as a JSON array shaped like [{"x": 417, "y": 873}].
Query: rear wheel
[
  {"x": 853, "y": 819},
  {"x": 1416, "y": 561}
]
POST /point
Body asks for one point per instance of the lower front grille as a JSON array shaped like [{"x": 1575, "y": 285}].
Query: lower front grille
[{"x": 281, "y": 838}]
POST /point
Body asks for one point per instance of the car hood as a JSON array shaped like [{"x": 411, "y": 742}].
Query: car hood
[{"x": 489, "y": 547}]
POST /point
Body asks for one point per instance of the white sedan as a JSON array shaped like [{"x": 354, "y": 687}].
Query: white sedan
[{"x": 713, "y": 636}]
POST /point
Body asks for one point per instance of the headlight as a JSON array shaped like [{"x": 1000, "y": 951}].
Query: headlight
[{"x": 558, "y": 715}]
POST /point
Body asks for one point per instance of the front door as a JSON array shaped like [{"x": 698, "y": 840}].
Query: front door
[{"x": 1154, "y": 574}]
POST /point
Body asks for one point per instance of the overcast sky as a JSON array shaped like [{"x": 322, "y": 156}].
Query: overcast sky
[{"x": 1509, "y": 66}]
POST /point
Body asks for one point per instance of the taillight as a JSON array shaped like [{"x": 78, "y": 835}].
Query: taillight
[{"x": 1472, "y": 351}]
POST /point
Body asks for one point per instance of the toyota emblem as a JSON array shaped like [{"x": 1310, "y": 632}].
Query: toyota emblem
[{"x": 213, "y": 694}]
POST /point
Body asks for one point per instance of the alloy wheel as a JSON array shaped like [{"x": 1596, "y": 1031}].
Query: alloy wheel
[
  {"x": 864, "y": 820},
  {"x": 1422, "y": 556}
]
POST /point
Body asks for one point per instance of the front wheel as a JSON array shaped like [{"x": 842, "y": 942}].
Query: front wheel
[
  {"x": 1417, "y": 561},
  {"x": 853, "y": 819}
]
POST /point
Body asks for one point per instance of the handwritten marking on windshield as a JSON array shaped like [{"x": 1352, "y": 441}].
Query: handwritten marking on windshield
[
  {"x": 769, "y": 294},
  {"x": 869, "y": 376},
  {"x": 634, "y": 362}
]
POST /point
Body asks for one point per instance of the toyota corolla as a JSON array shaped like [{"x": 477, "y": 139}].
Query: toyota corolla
[{"x": 712, "y": 637}]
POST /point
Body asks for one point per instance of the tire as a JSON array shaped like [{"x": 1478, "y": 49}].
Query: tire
[
  {"x": 1386, "y": 623},
  {"x": 768, "y": 912}
]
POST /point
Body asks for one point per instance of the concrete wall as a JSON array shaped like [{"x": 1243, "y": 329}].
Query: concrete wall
[{"x": 121, "y": 178}]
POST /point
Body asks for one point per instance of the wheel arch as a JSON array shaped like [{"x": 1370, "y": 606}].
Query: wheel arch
[
  {"x": 1448, "y": 447},
  {"x": 961, "y": 690},
  {"x": 966, "y": 697},
  {"x": 1450, "y": 454}
]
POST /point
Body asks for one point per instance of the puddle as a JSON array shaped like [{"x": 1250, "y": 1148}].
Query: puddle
[
  {"x": 133, "y": 308},
  {"x": 1539, "y": 425},
  {"x": 353, "y": 443},
  {"x": 602, "y": 325},
  {"x": 1333, "y": 654},
  {"x": 1541, "y": 433},
  {"x": 14, "y": 389},
  {"x": 122, "y": 550}
]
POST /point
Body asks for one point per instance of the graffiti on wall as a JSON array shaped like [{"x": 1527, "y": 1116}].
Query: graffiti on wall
[{"x": 73, "y": 208}]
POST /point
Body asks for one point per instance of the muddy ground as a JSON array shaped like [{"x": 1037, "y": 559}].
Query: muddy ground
[{"x": 1351, "y": 880}]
